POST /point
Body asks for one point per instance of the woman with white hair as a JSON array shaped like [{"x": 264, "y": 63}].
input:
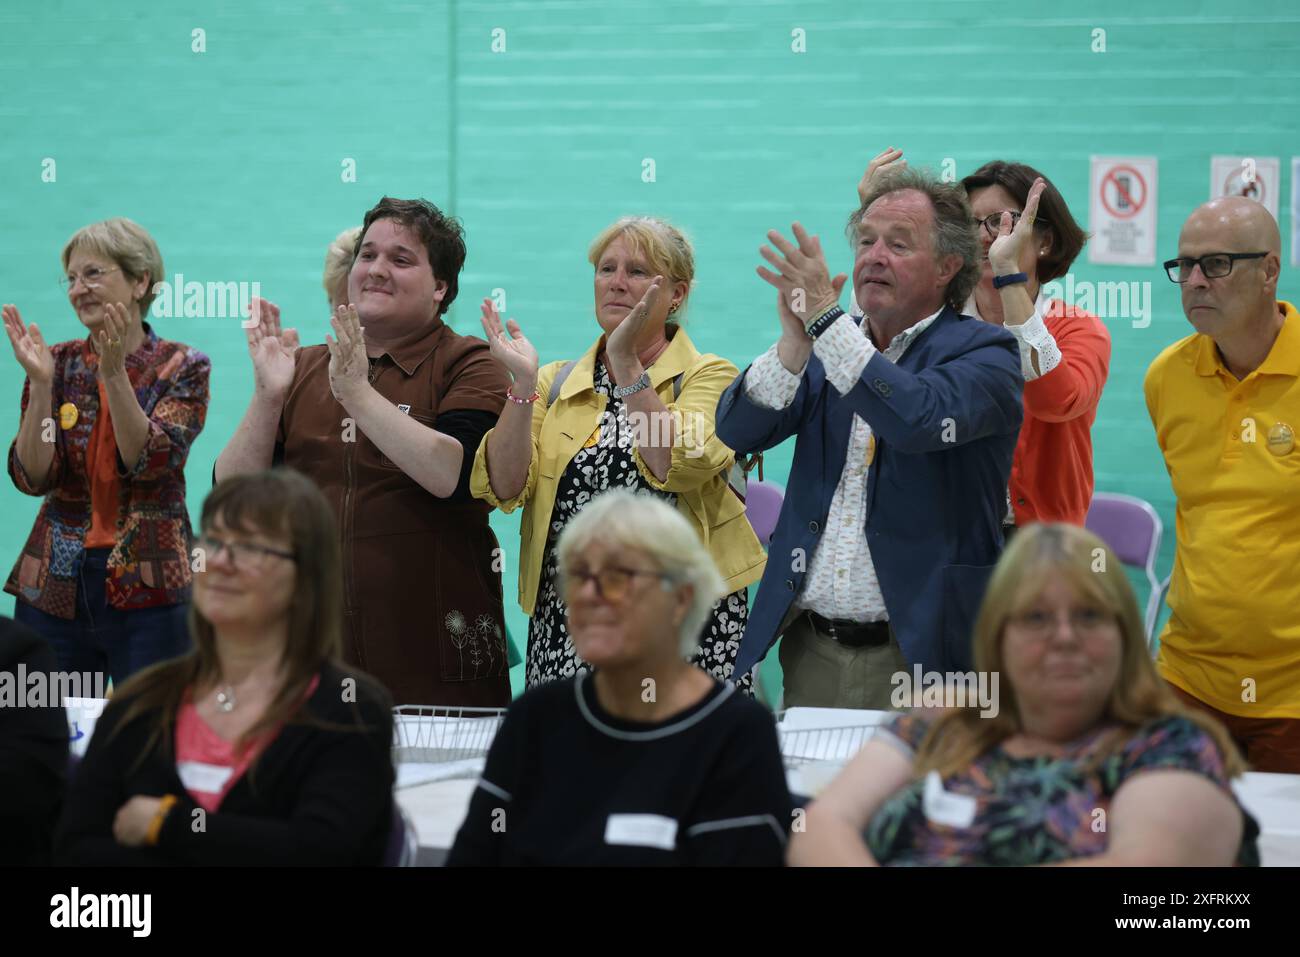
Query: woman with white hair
[{"x": 647, "y": 760}]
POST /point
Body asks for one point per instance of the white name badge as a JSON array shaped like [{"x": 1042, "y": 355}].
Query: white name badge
[
  {"x": 641, "y": 830},
  {"x": 204, "y": 778},
  {"x": 943, "y": 807}
]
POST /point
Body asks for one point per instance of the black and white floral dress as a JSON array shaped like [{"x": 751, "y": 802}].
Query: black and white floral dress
[{"x": 607, "y": 462}]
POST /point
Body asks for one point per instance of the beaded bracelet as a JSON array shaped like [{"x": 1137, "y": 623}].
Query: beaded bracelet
[
  {"x": 823, "y": 322},
  {"x": 155, "y": 826},
  {"x": 528, "y": 401}
]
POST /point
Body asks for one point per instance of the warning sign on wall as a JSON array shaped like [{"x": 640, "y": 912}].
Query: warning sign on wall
[
  {"x": 1255, "y": 177},
  {"x": 1122, "y": 211}
]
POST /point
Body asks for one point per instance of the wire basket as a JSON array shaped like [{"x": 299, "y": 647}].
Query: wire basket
[
  {"x": 806, "y": 745},
  {"x": 426, "y": 734},
  {"x": 837, "y": 744}
]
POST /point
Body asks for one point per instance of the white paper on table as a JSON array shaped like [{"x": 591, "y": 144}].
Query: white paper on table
[
  {"x": 413, "y": 774},
  {"x": 82, "y": 715}
]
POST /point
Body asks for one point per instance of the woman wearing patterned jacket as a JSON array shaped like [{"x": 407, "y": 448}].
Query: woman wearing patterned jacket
[{"x": 107, "y": 423}]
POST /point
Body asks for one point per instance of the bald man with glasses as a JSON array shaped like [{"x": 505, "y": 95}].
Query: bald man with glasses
[{"x": 1225, "y": 403}]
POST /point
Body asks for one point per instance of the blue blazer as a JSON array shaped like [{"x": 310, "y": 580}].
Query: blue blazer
[{"x": 946, "y": 419}]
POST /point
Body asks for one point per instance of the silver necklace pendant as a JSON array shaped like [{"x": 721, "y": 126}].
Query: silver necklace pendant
[{"x": 226, "y": 699}]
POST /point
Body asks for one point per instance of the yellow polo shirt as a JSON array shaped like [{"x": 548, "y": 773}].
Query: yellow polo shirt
[{"x": 1233, "y": 453}]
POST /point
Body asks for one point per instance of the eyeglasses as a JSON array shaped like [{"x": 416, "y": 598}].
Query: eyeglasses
[
  {"x": 92, "y": 277},
  {"x": 1041, "y": 623},
  {"x": 1213, "y": 265},
  {"x": 243, "y": 555},
  {"x": 993, "y": 222},
  {"x": 612, "y": 584}
]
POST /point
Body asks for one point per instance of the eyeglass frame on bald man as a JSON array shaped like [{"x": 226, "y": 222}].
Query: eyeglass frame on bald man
[{"x": 1171, "y": 264}]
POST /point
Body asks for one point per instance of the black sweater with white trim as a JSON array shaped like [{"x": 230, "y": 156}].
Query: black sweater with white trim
[{"x": 566, "y": 783}]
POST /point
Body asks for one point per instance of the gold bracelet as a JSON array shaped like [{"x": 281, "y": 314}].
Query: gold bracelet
[{"x": 155, "y": 826}]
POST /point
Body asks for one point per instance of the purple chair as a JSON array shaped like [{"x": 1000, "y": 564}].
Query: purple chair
[
  {"x": 763, "y": 507},
  {"x": 1131, "y": 527},
  {"x": 402, "y": 847}
]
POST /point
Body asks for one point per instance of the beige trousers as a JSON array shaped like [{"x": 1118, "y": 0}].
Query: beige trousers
[{"x": 822, "y": 673}]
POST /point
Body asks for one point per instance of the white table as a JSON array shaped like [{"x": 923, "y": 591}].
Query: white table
[
  {"x": 437, "y": 808},
  {"x": 1274, "y": 800}
]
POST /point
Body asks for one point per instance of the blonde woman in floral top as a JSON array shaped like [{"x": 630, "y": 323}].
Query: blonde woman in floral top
[
  {"x": 107, "y": 424},
  {"x": 1085, "y": 757}
]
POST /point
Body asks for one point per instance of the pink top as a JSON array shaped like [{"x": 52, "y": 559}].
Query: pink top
[{"x": 209, "y": 765}]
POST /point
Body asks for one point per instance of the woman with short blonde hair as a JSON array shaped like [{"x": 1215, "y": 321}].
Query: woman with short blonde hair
[
  {"x": 107, "y": 424},
  {"x": 635, "y": 411},
  {"x": 339, "y": 257},
  {"x": 1083, "y": 733}
]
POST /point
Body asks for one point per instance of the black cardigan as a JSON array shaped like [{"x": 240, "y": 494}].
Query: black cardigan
[
  {"x": 33, "y": 754},
  {"x": 315, "y": 796},
  {"x": 566, "y": 783}
]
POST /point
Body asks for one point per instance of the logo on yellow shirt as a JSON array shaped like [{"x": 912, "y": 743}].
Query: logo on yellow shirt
[{"x": 1281, "y": 439}]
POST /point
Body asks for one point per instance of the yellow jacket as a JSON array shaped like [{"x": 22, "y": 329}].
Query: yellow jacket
[{"x": 698, "y": 471}]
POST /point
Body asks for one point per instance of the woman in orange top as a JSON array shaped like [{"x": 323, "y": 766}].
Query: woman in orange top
[{"x": 107, "y": 424}]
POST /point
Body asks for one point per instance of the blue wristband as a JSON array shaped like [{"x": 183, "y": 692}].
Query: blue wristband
[{"x": 1009, "y": 280}]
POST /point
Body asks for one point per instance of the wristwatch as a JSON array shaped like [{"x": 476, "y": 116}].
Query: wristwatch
[
  {"x": 622, "y": 392},
  {"x": 1010, "y": 279}
]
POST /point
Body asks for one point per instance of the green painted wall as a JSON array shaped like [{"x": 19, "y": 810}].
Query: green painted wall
[{"x": 233, "y": 157}]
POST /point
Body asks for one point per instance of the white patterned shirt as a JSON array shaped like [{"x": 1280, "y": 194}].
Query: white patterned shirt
[
  {"x": 1030, "y": 335},
  {"x": 841, "y": 582}
]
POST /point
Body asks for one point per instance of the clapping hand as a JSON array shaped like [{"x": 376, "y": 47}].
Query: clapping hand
[
  {"x": 271, "y": 349},
  {"x": 889, "y": 159},
  {"x": 620, "y": 345},
  {"x": 110, "y": 340},
  {"x": 514, "y": 351},
  {"x": 801, "y": 276},
  {"x": 29, "y": 347},
  {"x": 349, "y": 366}
]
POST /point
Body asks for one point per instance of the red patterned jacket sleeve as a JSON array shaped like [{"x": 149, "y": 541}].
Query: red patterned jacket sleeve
[
  {"x": 176, "y": 418},
  {"x": 22, "y": 481}
]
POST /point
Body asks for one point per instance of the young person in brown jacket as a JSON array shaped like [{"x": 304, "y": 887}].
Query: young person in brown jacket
[{"x": 386, "y": 421}]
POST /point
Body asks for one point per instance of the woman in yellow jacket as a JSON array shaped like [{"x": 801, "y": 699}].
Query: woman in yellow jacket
[{"x": 635, "y": 411}]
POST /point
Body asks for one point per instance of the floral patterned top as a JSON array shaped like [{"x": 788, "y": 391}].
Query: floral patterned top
[
  {"x": 605, "y": 462},
  {"x": 1026, "y": 811},
  {"x": 150, "y": 564}
]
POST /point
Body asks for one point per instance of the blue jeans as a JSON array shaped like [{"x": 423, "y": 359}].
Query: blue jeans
[{"x": 104, "y": 638}]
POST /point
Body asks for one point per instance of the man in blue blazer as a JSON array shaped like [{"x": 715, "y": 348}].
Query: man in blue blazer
[{"x": 905, "y": 428}]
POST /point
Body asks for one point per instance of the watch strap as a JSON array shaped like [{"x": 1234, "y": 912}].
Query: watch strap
[
  {"x": 642, "y": 382},
  {"x": 1009, "y": 279}
]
